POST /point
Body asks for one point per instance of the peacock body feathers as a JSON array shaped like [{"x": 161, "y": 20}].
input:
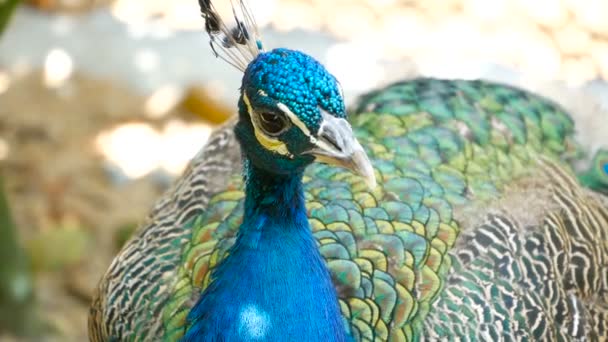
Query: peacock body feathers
[{"x": 477, "y": 227}]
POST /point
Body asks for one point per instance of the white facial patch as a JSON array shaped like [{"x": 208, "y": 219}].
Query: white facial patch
[{"x": 254, "y": 323}]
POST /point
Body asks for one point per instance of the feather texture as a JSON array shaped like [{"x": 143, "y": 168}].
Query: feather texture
[{"x": 477, "y": 229}]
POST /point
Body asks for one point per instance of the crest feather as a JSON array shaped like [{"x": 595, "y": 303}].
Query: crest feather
[{"x": 238, "y": 45}]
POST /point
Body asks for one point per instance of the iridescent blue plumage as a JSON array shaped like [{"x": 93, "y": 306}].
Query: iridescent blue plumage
[
  {"x": 275, "y": 265},
  {"x": 297, "y": 80}
]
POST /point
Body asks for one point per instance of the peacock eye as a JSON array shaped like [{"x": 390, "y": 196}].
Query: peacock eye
[
  {"x": 605, "y": 168},
  {"x": 273, "y": 123}
]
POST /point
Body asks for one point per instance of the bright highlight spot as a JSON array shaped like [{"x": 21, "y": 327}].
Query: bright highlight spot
[
  {"x": 58, "y": 67},
  {"x": 487, "y": 10},
  {"x": 181, "y": 142},
  {"x": 163, "y": 100},
  {"x": 5, "y": 82},
  {"x": 355, "y": 65},
  {"x": 3, "y": 149},
  {"x": 138, "y": 149},
  {"x": 253, "y": 322},
  {"x": 132, "y": 147},
  {"x": 146, "y": 60}
]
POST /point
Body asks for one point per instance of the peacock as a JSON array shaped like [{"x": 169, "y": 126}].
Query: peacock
[{"x": 438, "y": 210}]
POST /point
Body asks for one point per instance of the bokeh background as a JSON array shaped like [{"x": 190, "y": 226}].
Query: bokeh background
[{"x": 102, "y": 104}]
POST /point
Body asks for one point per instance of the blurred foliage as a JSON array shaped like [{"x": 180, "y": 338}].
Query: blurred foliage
[
  {"x": 7, "y": 7},
  {"x": 58, "y": 248},
  {"x": 16, "y": 293}
]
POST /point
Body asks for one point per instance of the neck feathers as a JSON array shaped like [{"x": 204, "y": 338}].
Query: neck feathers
[
  {"x": 274, "y": 284},
  {"x": 280, "y": 197}
]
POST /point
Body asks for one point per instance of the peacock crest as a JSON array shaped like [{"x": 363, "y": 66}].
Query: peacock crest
[{"x": 238, "y": 45}]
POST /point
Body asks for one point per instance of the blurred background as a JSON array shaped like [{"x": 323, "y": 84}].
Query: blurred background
[{"x": 102, "y": 104}]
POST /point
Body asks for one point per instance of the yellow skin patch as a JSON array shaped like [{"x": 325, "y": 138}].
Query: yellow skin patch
[{"x": 269, "y": 143}]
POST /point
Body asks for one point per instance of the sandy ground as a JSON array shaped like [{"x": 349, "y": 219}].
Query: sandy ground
[{"x": 70, "y": 211}]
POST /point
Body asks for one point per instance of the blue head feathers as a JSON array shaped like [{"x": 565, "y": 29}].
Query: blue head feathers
[
  {"x": 285, "y": 97},
  {"x": 297, "y": 81}
]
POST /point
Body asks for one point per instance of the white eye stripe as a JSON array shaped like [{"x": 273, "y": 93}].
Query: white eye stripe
[
  {"x": 302, "y": 126},
  {"x": 294, "y": 119},
  {"x": 340, "y": 90}
]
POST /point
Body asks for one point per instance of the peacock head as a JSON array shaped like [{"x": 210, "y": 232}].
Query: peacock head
[
  {"x": 596, "y": 177},
  {"x": 291, "y": 109},
  {"x": 292, "y": 113}
]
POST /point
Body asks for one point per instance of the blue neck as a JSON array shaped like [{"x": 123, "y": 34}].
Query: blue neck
[{"x": 274, "y": 285}]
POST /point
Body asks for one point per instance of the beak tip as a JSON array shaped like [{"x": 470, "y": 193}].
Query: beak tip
[
  {"x": 362, "y": 166},
  {"x": 365, "y": 169}
]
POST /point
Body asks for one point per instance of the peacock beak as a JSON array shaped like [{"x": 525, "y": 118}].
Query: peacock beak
[{"x": 336, "y": 144}]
